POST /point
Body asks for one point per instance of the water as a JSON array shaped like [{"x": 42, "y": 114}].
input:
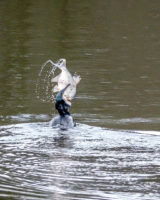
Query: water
[
  {"x": 86, "y": 162},
  {"x": 114, "y": 151}
]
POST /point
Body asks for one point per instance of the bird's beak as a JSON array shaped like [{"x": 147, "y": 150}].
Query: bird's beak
[{"x": 59, "y": 96}]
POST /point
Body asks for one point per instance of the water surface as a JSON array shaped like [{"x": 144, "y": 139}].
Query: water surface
[
  {"x": 114, "y": 152},
  {"x": 86, "y": 162}
]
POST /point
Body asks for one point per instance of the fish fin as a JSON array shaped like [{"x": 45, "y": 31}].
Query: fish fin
[
  {"x": 55, "y": 79},
  {"x": 55, "y": 89},
  {"x": 67, "y": 99},
  {"x": 76, "y": 79}
]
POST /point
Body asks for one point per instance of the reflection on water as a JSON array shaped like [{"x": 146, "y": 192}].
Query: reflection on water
[
  {"x": 114, "y": 45},
  {"x": 38, "y": 162}
]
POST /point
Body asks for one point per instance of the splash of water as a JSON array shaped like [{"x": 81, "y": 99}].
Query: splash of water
[{"x": 44, "y": 85}]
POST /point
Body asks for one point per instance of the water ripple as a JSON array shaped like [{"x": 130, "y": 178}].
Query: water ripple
[{"x": 38, "y": 162}]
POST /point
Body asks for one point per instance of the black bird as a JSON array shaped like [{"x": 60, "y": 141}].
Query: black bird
[
  {"x": 64, "y": 119},
  {"x": 61, "y": 105}
]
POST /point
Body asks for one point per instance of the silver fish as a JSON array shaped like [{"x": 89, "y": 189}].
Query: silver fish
[{"x": 63, "y": 79}]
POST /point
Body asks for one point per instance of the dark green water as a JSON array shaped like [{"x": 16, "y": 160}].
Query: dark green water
[{"x": 115, "y": 47}]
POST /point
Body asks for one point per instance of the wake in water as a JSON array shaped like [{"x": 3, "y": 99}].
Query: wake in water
[{"x": 38, "y": 162}]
